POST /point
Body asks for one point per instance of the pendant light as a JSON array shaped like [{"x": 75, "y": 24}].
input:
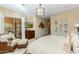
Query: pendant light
[{"x": 40, "y": 11}]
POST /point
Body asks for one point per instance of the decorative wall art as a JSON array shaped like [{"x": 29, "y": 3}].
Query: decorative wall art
[
  {"x": 65, "y": 25},
  {"x": 41, "y": 25},
  {"x": 61, "y": 26}
]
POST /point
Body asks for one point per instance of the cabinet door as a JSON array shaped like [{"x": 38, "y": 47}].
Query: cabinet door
[
  {"x": 18, "y": 28},
  {"x": 8, "y": 24},
  {"x": 30, "y": 34},
  {"x": 13, "y": 25}
]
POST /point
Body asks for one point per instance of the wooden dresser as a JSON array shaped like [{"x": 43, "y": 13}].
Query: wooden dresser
[{"x": 29, "y": 34}]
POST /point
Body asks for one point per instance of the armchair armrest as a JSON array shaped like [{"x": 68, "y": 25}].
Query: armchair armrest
[
  {"x": 14, "y": 42},
  {"x": 5, "y": 46}
]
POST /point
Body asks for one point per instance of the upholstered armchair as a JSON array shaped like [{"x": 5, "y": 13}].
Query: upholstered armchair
[
  {"x": 7, "y": 43},
  {"x": 7, "y": 47}
]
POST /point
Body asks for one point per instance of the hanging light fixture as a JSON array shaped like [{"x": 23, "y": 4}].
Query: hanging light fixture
[{"x": 40, "y": 11}]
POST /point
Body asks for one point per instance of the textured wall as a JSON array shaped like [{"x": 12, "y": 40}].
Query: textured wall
[{"x": 72, "y": 16}]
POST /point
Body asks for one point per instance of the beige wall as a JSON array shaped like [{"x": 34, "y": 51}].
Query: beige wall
[
  {"x": 9, "y": 13},
  {"x": 39, "y": 32},
  {"x": 72, "y": 16}
]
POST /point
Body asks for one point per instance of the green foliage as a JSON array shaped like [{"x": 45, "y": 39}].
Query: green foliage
[{"x": 29, "y": 25}]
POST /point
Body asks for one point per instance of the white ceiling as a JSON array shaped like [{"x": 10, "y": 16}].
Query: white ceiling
[{"x": 30, "y": 9}]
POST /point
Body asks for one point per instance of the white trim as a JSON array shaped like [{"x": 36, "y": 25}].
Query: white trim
[
  {"x": 23, "y": 28},
  {"x": 1, "y": 23}
]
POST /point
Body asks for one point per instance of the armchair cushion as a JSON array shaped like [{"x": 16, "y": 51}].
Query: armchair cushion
[
  {"x": 14, "y": 42},
  {"x": 3, "y": 40},
  {"x": 22, "y": 43}
]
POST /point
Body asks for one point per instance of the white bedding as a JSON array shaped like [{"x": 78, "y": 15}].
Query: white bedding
[{"x": 47, "y": 45}]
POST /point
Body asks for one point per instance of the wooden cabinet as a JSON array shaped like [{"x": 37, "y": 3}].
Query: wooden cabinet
[
  {"x": 13, "y": 25},
  {"x": 29, "y": 34},
  {"x": 8, "y": 24}
]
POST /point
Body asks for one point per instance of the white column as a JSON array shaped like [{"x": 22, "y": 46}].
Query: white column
[
  {"x": 23, "y": 28},
  {"x": 1, "y": 23}
]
